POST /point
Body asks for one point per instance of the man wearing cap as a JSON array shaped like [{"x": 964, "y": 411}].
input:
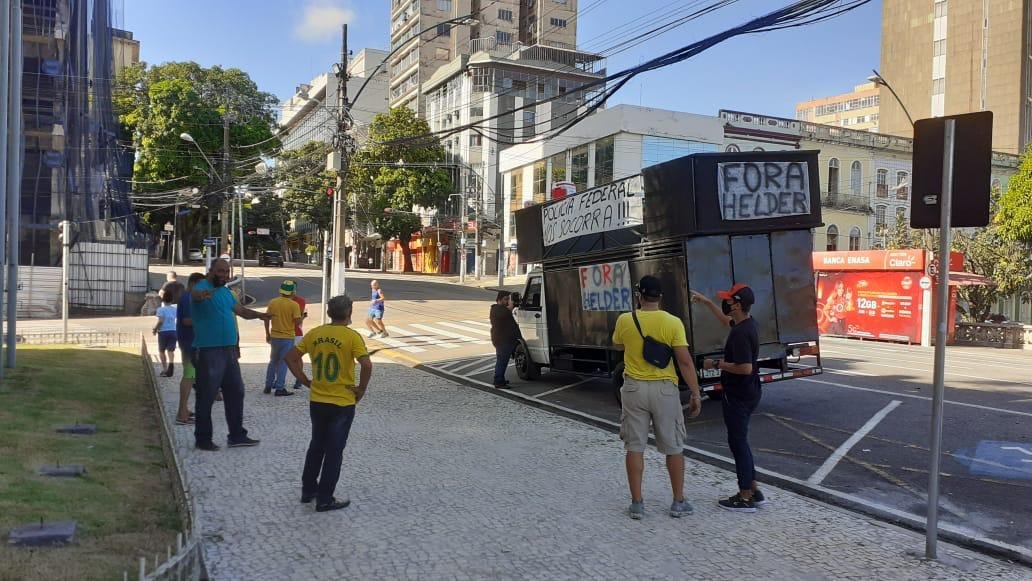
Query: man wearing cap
[
  {"x": 650, "y": 394},
  {"x": 279, "y": 334},
  {"x": 739, "y": 376}
]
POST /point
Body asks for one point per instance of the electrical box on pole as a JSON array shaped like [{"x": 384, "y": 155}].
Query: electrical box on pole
[{"x": 971, "y": 170}]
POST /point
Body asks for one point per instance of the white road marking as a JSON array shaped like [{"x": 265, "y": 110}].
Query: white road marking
[
  {"x": 478, "y": 323},
  {"x": 1019, "y": 449},
  {"x": 558, "y": 389},
  {"x": 864, "y": 349},
  {"x": 447, "y": 333},
  {"x": 467, "y": 328},
  {"x": 487, "y": 368},
  {"x": 449, "y": 365},
  {"x": 470, "y": 365},
  {"x": 912, "y": 396},
  {"x": 428, "y": 339},
  {"x": 840, "y": 452},
  {"x": 398, "y": 344},
  {"x": 953, "y": 373}
]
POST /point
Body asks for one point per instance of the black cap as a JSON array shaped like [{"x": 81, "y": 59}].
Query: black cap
[{"x": 650, "y": 287}]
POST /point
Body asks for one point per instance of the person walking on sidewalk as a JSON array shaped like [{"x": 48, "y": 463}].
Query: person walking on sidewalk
[
  {"x": 172, "y": 285},
  {"x": 213, "y": 310},
  {"x": 376, "y": 306},
  {"x": 333, "y": 394},
  {"x": 650, "y": 393},
  {"x": 184, "y": 336},
  {"x": 279, "y": 334},
  {"x": 740, "y": 379},
  {"x": 298, "y": 331},
  {"x": 165, "y": 329},
  {"x": 505, "y": 334}
]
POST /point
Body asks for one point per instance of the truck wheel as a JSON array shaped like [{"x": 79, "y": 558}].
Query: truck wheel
[
  {"x": 617, "y": 383},
  {"x": 525, "y": 367}
]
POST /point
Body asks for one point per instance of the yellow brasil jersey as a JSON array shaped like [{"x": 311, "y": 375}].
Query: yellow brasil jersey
[
  {"x": 284, "y": 311},
  {"x": 661, "y": 326},
  {"x": 333, "y": 350}
]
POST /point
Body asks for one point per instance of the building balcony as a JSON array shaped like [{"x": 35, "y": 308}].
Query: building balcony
[{"x": 847, "y": 202}]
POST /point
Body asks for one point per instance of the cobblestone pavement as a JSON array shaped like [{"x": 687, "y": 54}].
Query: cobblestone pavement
[{"x": 448, "y": 482}]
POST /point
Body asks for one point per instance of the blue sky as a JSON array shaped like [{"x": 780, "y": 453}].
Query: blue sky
[{"x": 282, "y": 43}]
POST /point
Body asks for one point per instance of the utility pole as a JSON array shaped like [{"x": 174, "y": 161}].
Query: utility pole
[
  {"x": 5, "y": 72},
  {"x": 342, "y": 153},
  {"x": 462, "y": 240},
  {"x": 227, "y": 181},
  {"x": 14, "y": 175},
  {"x": 66, "y": 242}
]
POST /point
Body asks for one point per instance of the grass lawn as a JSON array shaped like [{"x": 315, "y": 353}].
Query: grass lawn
[{"x": 124, "y": 504}]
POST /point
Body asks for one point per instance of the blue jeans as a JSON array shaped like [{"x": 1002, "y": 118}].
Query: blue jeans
[
  {"x": 297, "y": 382},
  {"x": 736, "y": 417},
  {"x": 276, "y": 372},
  {"x": 218, "y": 368},
  {"x": 331, "y": 425},
  {"x": 503, "y": 353}
]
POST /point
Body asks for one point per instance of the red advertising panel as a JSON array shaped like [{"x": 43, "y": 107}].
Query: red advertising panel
[
  {"x": 898, "y": 260},
  {"x": 872, "y": 305}
]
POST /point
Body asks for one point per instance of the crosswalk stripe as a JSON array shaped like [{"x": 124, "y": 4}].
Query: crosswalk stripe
[
  {"x": 486, "y": 368},
  {"x": 452, "y": 364},
  {"x": 437, "y": 331},
  {"x": 478, "y": 323},
  {"x": 468, "y": 366},
  {"x": 399, "y": 344},
  {"x": 466, "y": 328},
  {"x": 428, "y": 340}
]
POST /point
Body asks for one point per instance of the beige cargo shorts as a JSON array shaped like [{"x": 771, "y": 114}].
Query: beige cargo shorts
[{"x": 656, "y": 403}]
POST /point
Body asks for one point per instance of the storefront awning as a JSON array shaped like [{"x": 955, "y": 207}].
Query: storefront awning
[{"x": 969, "y": 279}]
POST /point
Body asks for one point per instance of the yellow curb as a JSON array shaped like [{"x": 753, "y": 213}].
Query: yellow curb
[{"x": 400, "y": 357}]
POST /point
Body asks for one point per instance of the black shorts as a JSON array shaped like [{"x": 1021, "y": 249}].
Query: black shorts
[{"x": 167, "y": 341}]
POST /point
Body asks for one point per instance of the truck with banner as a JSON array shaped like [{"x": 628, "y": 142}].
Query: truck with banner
[{"x": 700, "y": 223}]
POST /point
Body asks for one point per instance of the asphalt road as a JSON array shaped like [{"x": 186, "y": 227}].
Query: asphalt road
[{"x": 860, "y": 430}]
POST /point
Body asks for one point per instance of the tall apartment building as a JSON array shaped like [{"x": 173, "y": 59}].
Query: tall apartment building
[
  {"x": 125, "y": 49},
  {"x": 857, "y": 109},
  {"x": 492, "y": 23},
  {"x": 945, "y": 57}
]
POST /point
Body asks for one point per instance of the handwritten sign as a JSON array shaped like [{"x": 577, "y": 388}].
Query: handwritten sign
[
  {"x": 609, "y": 207},
  {"x": 759, "y": 190},
  {"x": 606, "y": 287}
]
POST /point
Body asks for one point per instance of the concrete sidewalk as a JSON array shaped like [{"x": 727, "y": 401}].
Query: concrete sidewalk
[{"x": 450, "y": 482}]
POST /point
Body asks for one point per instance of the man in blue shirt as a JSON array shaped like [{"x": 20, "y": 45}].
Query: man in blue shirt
[{"x": 213, "y": 313}]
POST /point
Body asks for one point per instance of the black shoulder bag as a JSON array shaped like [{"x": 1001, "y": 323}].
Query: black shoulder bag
[{"x": 655, "y": 352}]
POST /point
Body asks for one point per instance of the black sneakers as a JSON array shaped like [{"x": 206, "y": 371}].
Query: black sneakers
[
  {"x": 306, "y": 498},
  {"x": 208, "y": 446},
  {"x": 737, "y": 504},
  {"x": 244, "y": 443},
  {"x": 333, "y": 504},
  {"x": 758, "y": 499},
  {"x": 283, "y": 392},
  {"x": 267, "y": 390}
]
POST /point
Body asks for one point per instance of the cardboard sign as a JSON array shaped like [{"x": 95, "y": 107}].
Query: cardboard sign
[
  {"x": 606, "y": 287},
  {"x": 610, "y": 207},
  {"x": 759, "y": 190}
]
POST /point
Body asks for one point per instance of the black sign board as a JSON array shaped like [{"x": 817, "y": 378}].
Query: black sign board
[{"x": 972, "y": 160}]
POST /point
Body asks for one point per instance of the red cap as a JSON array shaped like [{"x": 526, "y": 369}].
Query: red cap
[{"x": 740, "y": 292}]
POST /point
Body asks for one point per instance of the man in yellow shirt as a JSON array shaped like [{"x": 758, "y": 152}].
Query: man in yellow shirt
[
  {"x": 333, "y": 350},
  {"x": 279, "y": 334},
  {"x": 650, "y": 394}
]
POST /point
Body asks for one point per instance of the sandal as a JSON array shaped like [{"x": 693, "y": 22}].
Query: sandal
[{"x": 187, "y": 422}]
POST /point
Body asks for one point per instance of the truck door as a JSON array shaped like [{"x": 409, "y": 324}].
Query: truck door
[{"x": 531, "y": 318}]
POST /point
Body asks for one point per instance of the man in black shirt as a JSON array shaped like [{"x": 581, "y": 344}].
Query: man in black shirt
[
  {"x": 504, "y": 336},
  {"x": 740, "y": 379}
]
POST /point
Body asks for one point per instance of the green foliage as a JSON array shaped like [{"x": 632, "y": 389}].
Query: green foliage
[
  {"x": 1015, "y": 215},
  {"x": 302, "y": 176},
  {"x": 156, "y": 104},
  {"x": 377, "y": 181}
]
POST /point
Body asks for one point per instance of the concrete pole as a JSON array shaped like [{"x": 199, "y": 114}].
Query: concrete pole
[
  {"x": 175, "y": 227},
  {"x": 462, "y": 240},
  {"x": 243, "y": 256},
  {"x": 5, "y": 74},
  {"x": 66, "y": 245},
  {"x": 227, "y": 181},
  {"x": 14, "y": 170},
  {"x": 339, "y": 264},
  {"x": 325, "y": 279}
]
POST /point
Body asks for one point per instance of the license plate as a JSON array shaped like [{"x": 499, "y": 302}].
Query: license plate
[{"x": 709, "y": 373}]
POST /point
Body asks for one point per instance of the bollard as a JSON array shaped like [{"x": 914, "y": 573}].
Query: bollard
[{"x": 143, "y": 568}]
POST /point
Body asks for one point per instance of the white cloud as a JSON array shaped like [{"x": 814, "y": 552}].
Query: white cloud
[{"x": 321, "y": 21}]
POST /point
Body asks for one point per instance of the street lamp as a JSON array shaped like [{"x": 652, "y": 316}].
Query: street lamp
[
  {"x": 187, "y": 137},
  {"x": 877, "y": 79}
]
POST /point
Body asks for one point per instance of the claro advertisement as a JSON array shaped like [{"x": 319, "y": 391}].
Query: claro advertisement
[{"x": 875, "y": 305}]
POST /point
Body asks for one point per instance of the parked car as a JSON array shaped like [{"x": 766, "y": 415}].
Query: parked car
[
  {"x": 195, "y": 255},
  {"x": 270, "y": 258}
]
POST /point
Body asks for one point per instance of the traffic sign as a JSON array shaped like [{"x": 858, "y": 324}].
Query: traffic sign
[
  {"x": 925, "y": 283},
  {"x": 210, "y": 241},
  {"x": 263, "y": 231},
  {"x": 169, "y": 227},
  {"x": 972, "y": 161}
]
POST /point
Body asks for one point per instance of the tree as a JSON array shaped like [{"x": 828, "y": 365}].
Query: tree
[
  {"x": 1015, "y": 214},
  {"x": 302, "y": 177},
  {"x": 156, "y": 104},
  {"x": 378, "y": 181}
]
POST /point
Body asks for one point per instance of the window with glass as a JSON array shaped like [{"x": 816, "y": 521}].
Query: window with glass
[
  {"x": 854, "y": 238},
  {"x": 579, "y": 170},
  {"x": 856, "y": 178},
  {"x": 559, "y": 168},
  {"x": 732, "y": 148},
  {"x": 879, "y": 216},
  {"x": 833, "y": 176},
  {"x": 444, "y": 5},
  {"x": 516, "y": 189},
  {"x": 902, "y": 186},
  {"x": 529, "y": 127},
  {"x": 604, "y": 152},
  {"x": 476, "y": 140},
  {"x": 881, "y": 183},
  {"x": 557, "y": 22},
  {"x": 540, "y": 181},
  {"x": 901, "y": 215},
  {"x": 832, "y": 236},
  {"x": 502, "y": 37},
  {"x": 505, "y": 15},
  {"x": 443, "y": 30},
  {"x": 660, "y": 149}
]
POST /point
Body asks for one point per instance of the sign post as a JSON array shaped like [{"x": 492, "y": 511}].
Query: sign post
[{"x": 932, "y": 190}]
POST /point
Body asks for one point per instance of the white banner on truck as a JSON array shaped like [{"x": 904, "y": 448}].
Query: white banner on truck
[
  {"x": 606, "y": 287},
  {"x": 763, "y": 189},
  {"x": 609, "y": 207}
]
